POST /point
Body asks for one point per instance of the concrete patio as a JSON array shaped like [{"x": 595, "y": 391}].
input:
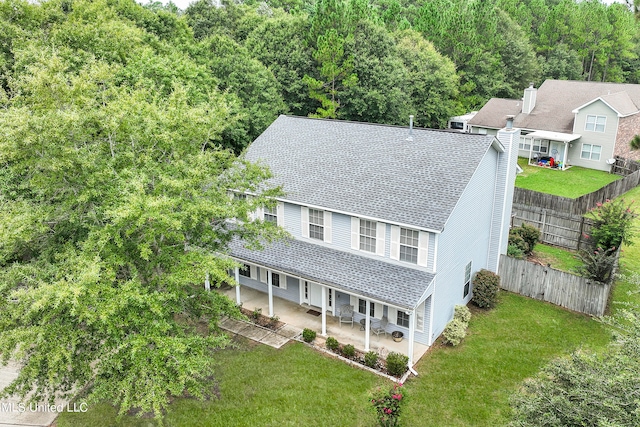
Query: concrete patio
[{"x": 297, "y": 316}]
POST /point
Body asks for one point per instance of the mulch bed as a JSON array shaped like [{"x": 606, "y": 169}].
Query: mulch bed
[{"x": 256, "y": 317}]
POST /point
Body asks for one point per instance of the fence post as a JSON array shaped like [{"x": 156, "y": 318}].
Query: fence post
[{"x": 580, "y": 234}]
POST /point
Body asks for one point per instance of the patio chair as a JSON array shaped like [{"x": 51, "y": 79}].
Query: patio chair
[
  {"x": 379, "y": 326},
  {"x": 346, "y": 314}
]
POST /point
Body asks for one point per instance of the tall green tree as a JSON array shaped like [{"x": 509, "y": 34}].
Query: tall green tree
[
  {"x": 336, "y": 70},
  {"x": 114, "y": 205}
]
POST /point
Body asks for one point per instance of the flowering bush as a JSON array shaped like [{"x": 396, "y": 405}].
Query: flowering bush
[
  {"x": 387, "y": 404},
  {"x": 612, "y": 224}
]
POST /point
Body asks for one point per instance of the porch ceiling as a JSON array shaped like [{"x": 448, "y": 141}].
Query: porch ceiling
[
  {"x": 553, "y": 136},
  {"x": 386, "y": 282}
]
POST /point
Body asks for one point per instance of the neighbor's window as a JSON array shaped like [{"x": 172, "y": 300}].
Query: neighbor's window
[
  {"x": 403, "y": 319},
  {"x": 409, "y": 245},
  {"x": 590, "y": 152},
  {"x": 271, "y": 214},
  {"x": 540, "y": 146},
  {"x": 367, "y": 235},
  {"x": 316, "y": 224},
  {"x": 595, "y": 123},
  {"x": 245, "y": 270},
  {"x": 467, "y": 280},
  {"x": 457, "y": 125}
]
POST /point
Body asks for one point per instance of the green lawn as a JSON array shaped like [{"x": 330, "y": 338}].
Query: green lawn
[
  {"x": 467, "y": 385},
  {"x": 558, "y": 258},
  {"x": 572, "y": 183}
]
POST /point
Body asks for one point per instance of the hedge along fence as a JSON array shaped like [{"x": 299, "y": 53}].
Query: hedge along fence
[
  {"x": 557, "y": 287},
  {"x": 579, "y": 206}
]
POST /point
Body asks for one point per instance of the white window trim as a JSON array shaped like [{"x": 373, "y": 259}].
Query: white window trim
[
  {"x": 326, "y": 219},
  {"x": 423, "y": 245},
  {"x": 381, "y": 231},
  {"x": 595, "y": 123},
  {"x": 377, "y": 307},
  {"x": 420, "y": 317},
  {"x": 590, "y": 152}
]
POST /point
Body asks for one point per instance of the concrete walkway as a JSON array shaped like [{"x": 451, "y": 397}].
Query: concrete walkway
[
  {"x": 15, "y": 414},
  {"x": 275, "y": 339}
]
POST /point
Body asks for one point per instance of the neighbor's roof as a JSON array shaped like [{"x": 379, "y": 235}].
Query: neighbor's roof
[
  {"x": 371, "y": 170},
  {"x": 494, "y": 113},
  {"x": 557, "y": 99},
  {"x": 356, "y": 274}
]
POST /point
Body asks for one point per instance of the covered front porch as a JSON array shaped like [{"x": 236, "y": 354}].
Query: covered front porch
[
  {"x": 305, "y": 316},
  {"x": 549, "y": 149}
]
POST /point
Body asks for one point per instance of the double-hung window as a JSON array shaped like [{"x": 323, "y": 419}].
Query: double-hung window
[
  {"x": 595, "y": 123},
  {"x": 368, "y": 235},
  {"x": 316, "y": 224},
  {"x": 271, "y": 214},
  {"x": 402, "y": 319},
  {"x": 590, "y": 152},
  {"x": 409, "y": 245}
]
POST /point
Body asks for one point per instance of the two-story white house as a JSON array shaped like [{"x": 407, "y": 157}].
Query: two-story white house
[
  {"x": 577, "y": 123},
  {"x": 391, "y": 220}
]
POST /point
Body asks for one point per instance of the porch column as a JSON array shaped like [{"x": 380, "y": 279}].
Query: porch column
[
  {"x": 412, "y": 332},
  {"x": 366, "y": 327},
  {"x": 236, "y": 272},
  {"x": 566, "y": 153},
  {"x": 324, "y": 311},
  {"x": 530, "y": 148},
  {"x": 269, "y": 285}
]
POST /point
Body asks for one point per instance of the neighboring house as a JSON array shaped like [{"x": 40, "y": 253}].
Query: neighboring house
[
  {"x": 577, "y": 123},
  {"x": 461, "y": 123},
  {"x": 390, "y": 220}
]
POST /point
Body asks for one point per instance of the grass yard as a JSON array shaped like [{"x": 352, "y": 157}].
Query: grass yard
[
  {"x": 630, "y": 258},
  {"x": 574, "y": 182},
  {"x": 262, "y": 386},
  {"x": 470, "y": 385},
  {"x": 558, "y": 258},
  {"x": 465, "y": 386}
]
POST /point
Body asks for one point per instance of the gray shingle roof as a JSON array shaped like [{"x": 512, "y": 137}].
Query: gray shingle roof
[
  {"x": 370, "y": 170},
  {"x": 555, "y": 101},
  {"x": 390, "y": 283}
]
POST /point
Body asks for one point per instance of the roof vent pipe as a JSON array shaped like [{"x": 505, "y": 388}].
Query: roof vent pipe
[
  {"x": 510, "y": 118},
  {"x": 410, "y": 128}
]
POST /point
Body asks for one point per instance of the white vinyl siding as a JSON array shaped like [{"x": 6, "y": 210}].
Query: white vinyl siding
[{"x": 595, "y": 123}]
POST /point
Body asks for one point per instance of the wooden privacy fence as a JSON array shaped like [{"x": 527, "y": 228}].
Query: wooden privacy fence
[
  {"x": 554, "y": 286},
  {"x": 624, "y": 166},
  {"x": 556, "y": 228},
  {"x": 578, "y": 206}
]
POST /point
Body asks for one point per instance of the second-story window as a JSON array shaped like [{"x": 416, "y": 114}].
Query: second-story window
[
  {"x": 271, "y": 214},
  {"x": 367, "y": 235},
  {"x": 409, "y": 245},
  {"x": 595, "y": 123},
  {"x": 316, "y": 224}
]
